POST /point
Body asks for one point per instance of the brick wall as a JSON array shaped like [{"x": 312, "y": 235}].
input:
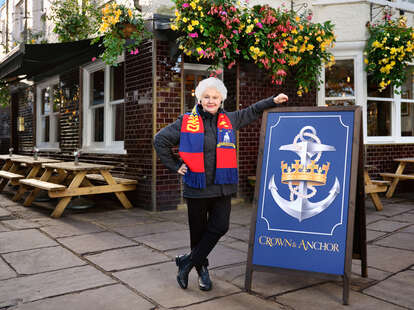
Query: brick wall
[
  {"x": 138, "y": 123},
  {"x": 168, "y": 109},
  {"x": 26, "y": 110},
  {"x": 254, "y": 85},
  {"x": 5, "y": 126}
]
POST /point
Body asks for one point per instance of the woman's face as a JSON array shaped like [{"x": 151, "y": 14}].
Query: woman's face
[{"x": 211, "y": 100}]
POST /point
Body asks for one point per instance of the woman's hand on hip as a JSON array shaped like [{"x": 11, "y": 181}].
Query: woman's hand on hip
[
  {"x": 182, "y": 170},
  {"x": 280, "y": 98}
]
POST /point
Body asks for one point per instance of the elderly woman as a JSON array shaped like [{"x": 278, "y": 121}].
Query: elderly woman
[{"x": 208, "y": 164}]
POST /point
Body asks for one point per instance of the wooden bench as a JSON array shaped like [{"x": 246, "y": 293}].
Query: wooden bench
[
  {"x": 377, "y": 186},
  {"x": 13, "y": 177},
  {"x": 100, "y": 178},
  {"x": 42, "y": 185},
  {"x": 391, "y": 176}
]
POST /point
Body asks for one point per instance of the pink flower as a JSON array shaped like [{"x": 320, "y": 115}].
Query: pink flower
[
  {"x": 259, "y": 25},
  {"x": 309, "y": 17},
  {"x": 237, "y": 51},
  {"x": 185, "y": 5},
  {"x": 219, "y": 72},
  {"x": 193, "y": 35},
  {"x": 281, "y": 72},
  {"x": 132, "y": 52},
  {"x": 223, "y": 13},
  {"x": 93, "y": 58},
  {"x": 136, "y": 51}
]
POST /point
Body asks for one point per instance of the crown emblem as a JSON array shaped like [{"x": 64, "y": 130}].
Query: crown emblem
[{"x": 312, "y": 173}]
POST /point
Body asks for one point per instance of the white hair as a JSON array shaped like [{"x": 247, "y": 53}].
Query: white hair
[{"x": 211, "y": 82}]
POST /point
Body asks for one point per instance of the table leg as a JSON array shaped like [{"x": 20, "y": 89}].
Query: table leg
[
  {"x": 45, "y": 177},
  {"x": 22, "y": 189},
  {"x": 120, "y": 195},
  {"x": 374, "y": 196},
  {"x": 10, "y": 167},
  {"x": 61, "y": 206},
  {"x": 395, "y": 181}
]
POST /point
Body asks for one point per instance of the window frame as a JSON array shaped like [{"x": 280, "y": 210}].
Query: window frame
[
  {"x": 108, "y": 145},
  {"x": 53, "y": 145}
]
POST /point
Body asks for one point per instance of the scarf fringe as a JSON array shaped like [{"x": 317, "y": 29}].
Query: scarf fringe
[
  {"x": 195, "y": 179},
  {"x": 226, "y": 176}
]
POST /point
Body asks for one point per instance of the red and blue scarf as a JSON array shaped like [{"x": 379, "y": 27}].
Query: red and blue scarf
[{"x": 191, "y": 150}]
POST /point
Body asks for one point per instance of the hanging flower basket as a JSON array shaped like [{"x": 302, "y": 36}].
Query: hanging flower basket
[
  {"x": 121, "y": 28},
  {"x": 389, "y": 49}
]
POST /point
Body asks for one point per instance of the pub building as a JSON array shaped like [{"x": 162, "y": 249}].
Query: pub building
[{"x": 62, "y": 101}]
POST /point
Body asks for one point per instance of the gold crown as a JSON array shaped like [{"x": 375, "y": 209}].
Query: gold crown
[{"x": 314, "y": 174}]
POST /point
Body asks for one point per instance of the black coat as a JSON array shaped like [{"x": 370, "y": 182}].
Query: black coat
[{"x": 169, "y": 137}]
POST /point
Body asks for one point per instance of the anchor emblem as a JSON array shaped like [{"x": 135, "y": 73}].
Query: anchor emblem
[{"x": 304, "y": 175}]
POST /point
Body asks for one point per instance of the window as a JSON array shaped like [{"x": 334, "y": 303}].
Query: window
[
  {"x": 19, "y": 19},
  {"x": 407, "y": 104},
  {"x": 193, "y": 74},
  {"x": 47, "y": 112},
  {"x": 339, "y": 83},
  {"x": 103, "y": 106}
]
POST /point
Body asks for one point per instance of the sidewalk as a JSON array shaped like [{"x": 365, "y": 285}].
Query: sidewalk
[{"x": 108, "y": 258}]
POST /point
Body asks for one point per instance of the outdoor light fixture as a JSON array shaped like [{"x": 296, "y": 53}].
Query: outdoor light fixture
[
  {"x": 76, "y": 154},
  {"x": 35, "y": 153},
  {"x": 11, "y": 151},
  {"x": 20, "y": 124}
]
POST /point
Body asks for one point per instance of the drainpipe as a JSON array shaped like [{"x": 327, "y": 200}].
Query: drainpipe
[{"x": 7, "y": 26}]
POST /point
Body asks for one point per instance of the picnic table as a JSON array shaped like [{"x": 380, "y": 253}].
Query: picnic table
[
  {"x": 373, "y": 187},
  {"x": 34, "y": 166},
  {"x": 12, "y": 170},
  {"x": 398, "y": 175},
  {"x": 78, "y": 177}
]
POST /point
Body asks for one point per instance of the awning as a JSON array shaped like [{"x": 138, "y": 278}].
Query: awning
[{"x": 41, "y": 60}]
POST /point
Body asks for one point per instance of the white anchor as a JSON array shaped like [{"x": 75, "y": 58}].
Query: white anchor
[{"x": 301, "y": 208}]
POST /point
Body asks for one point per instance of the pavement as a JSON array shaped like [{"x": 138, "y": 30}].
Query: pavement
[{"x": 109, "y": 258}]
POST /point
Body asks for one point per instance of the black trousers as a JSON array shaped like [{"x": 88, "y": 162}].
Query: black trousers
[{"x": 209, "y": 220}]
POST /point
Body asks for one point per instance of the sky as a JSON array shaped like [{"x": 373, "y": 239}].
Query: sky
[{"x": 1, "y": 2}]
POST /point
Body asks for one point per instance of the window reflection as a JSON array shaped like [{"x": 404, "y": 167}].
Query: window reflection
[
  {"x": 378, "y": 118},
  {"x": 373, "y": 89},
  {"x": 348, "y": 102},
  {"x": 191, "y": 80},
  {"x": 340, "y": 79},
  {"x": 407, "y": 87}
]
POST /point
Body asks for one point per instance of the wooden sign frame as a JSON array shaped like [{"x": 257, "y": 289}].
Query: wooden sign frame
[{"x": 355, "y": 238}]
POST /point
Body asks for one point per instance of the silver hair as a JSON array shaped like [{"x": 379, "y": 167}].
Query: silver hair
[{"x": 211, "y": 82}]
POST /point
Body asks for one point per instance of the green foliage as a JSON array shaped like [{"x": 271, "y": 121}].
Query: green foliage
[
  {"x": 388, "y": 51},
  {"x": 4, "y": 94},
  {"x": 72, "y": 21}
]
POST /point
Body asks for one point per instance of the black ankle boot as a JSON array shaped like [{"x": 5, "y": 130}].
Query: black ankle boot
[
  {"x": 204, "y": 281},
  {"x": 185, "y": 265}
]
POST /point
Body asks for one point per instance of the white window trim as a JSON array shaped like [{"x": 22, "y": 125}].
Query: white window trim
[
  {"x": 354, "y": 50},
  {"x": 52, "y": 145},
  {"x": 108, "y": 146}
]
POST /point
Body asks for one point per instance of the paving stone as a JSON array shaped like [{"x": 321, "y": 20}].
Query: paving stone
[
  {"x": 116, "y": 218},
  {"x": 41, "y": 260},
  {"x": 161, "y": 285},
  {"x": 373, "y": 273},
  {"x": 329, "y": 296},
  {"x": 409, "y": 229},
  {"x": 49, "y": 284},
  {"x": 395, "y": 209},
  {"x": 113, "y": 297},
  {"x": 71, "y": 228},
  {"x": 230, "y": 274},
  {"x": 95, "y": 242},
  {"x": 406, "y": 218},
  {"x": 239, "y": 245},
  {"x": 20, "y": 224},
  {"x": 240, "y": 233},
  {"x": 272, "y": 283},
  {"x": 398, "y": 240},
  {"x": 166, "y": 241},
  {"x": 5, "y": 271},
  {"x": 4, "y": 213},
  {"x": 222, "y": 255},
  {"x": 242, "y": 301},
  {"x": 241, "y": 215},
  {"x": 23, "y": 240},
  {"x": 147, "y": 229},
  {"x": 3, "y": 228},
  {"x": 389, "y": 259},
  {"x": 386, "y": 225},
  {"x": 127, "y": 258},
  {"x": 398, "y": 289},
  {"x": 373, "y": 217},
  {"x": 372, "y": 235}
]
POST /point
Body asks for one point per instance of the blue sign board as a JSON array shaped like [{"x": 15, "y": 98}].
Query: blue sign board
[{"x": 302, "y": 210}]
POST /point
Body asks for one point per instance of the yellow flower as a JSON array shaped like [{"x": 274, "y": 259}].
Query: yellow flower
[
  {"x": 256, "y": 20},
  {"x": 177, "y": 13},
  {"x": 201, "y": 28},
  {"x": 129, "y": 13},
  {"x": 293, "y": 49},
  {"x": 190, "y": 28},
  {"x": 300, "y": 93},
  {"x": 300, "y": 27},
  {"x": 392, "y": 50},
  {"x": 297, "y": 18},
  {"x": 201, "y": 14},
  {"x": 319, "y": 39},
  {"x": 194, "y": 22},
  {"x": 249, "y": 28},
  {"x": 185, "y": 19},
  {"x": 193, "y": 5},
  {"x": 302, "y": 48},
  {"x": 174, "y": 27},
  {"x": 310, "y": 47},
  {"x": 199, "y": 8},
  {"x": 376, "y": 44},
  {"x": 294, "y": 31},
  {"x": 366, "y": 60}
]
